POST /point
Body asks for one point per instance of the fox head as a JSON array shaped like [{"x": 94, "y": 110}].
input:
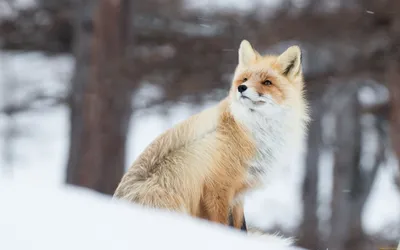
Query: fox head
[{"x": 267, "y": 83}]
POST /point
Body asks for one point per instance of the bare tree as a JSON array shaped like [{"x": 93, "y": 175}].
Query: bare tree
[
  {"x": 100, "y": 100},
  {"x": 309, "y": 226},
  {"x": 393, "y": 78}
]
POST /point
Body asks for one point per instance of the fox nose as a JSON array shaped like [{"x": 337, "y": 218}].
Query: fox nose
[{"x": 242, "y": 88}]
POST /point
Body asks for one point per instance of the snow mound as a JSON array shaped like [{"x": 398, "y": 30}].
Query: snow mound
[{"x": 39, "y": 218}]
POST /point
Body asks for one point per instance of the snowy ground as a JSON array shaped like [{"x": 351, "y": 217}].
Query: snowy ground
[
  {"x": 38, "y": 156},
  {"x": 39, "y": 218}
]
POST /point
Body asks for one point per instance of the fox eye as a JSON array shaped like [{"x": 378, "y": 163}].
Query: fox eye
[
  {"x": 244, "y": 79},
  {"x": 267, "y": 82}
]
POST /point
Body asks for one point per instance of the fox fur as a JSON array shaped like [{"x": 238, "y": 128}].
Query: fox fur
[{"x": 204, "y": 165}]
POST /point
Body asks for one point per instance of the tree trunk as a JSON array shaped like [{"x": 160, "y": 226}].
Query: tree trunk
[
  {"x": 394, "y": 86},
  {"x": 346, "y": 165},
  {"x": 352, "y": 183},
  {"x": 100, "y": 101},
  {"x": 308, "y": 233}
]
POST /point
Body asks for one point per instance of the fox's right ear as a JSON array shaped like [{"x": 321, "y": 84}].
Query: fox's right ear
[{"x": 247, "y": 54}]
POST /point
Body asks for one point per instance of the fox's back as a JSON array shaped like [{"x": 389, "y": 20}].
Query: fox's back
[
  {"x": 174, "y": 169},
  {"x": 174, "y": 180}
]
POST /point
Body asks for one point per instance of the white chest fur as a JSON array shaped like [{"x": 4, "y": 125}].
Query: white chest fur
[{"x": 275, "y": 135}]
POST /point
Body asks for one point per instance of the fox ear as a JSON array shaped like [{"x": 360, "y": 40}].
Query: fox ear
[
  {"x": 290, "y": 61},
  {"x": 247, "y": 54}
]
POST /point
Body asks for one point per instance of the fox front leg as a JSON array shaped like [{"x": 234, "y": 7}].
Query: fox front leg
[
  {"x": 236, "y": 218},
  {"x": 217, "y": 206},
  {"x": 243, "y": 227}
]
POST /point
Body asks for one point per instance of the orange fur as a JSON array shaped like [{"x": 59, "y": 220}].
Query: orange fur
[
  {"x": 238, "y": 215},
  {"x": 257, "y": 82},
  {"x": 208, "y": 191},
  {"x": 201, "y": 166}
]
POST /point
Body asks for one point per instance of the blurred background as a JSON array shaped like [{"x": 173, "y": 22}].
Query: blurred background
[{"x": 86, "y": 85}]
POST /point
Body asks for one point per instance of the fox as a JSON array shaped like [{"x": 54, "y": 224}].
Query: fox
[{"x": 205, "y": 165}]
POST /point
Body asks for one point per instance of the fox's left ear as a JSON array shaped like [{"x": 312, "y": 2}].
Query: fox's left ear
[{"x": 290, "y": 61}]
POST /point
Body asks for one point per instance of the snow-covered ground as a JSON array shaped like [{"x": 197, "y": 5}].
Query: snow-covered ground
[
  {"x": 39, "y": 218},
  {"x": 38, "y": 155}
]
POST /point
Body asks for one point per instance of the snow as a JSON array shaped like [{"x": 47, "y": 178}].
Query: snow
[
  {"x": 39, "y": 155},
  {"x": 33, "y": 72},
  {"x": 372, "y": 94},
  {"x": 370, "y": 140},
  {"x": 39, "y": 152},
  {"x": 38, "y": 218},
  {"x": 7, "y": 12},
  {"x": 226, "y": 5},
  {"x": 325, "y": 187},
  {"x": 207, "y": 5},
  {"x": 383, "y": 205}
]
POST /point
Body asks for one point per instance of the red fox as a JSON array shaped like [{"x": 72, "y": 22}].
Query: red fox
[{"x": 204, "y": 165}]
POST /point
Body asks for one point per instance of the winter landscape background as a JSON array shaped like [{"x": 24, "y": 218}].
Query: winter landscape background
[{"x": 165, "y": 60}]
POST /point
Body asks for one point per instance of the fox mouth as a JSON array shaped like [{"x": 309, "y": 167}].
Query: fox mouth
[{"x": 254, "y": 102}]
